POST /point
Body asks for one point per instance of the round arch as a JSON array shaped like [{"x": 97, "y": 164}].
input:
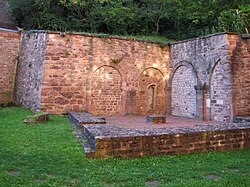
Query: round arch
[
  {"x": 188, "y": 65},
  {"x": 151, "y": 92},
  {"x": 220, "y": 91},
  {"x": 115, "y": 67},
  {"x": 182, "y": 92},
  {"x": 106, "y": 91}
]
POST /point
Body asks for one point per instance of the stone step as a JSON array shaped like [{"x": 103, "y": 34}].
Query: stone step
[
  {"x": 241, "y": 119},
  {"x": 81, "y": 118},
  {"x": 78, "y": 120},
  {"x": 90, "y": 139},
  {"x": 86, "y": 140}
]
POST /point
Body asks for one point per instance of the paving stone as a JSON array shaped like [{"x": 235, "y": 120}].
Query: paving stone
[
  {"x": 152, "y": 183},
  {"x": 212, "y": 177},
  {"x": 37, "y": 118}
]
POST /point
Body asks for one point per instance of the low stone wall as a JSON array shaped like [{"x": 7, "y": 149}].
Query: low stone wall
[
  {"x": 9, "y": 49},
  {"x": 111, "y": 141}
]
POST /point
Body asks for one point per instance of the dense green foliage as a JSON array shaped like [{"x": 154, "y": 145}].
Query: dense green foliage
[
  {"x": 48, "y": 154},
  {"x": 174, "y": 19}
]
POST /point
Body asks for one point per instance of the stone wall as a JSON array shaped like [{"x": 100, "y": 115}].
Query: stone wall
[
  {"x": 9, "y": 49},
  {"x": 86, "y": 72},
  {"x": 205, "y": 78},
  {"x": 205, "y": 59},
  {"x": 30, "y": 70},
  {"x": 239, "y": 55}
]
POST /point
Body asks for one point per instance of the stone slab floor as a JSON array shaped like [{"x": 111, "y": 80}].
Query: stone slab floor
[{"x": 139, "y": 122}]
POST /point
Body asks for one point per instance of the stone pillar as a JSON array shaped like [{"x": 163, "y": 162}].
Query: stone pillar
[
  {"x": 199, "y": 101},
  {"x": 206, "y": 102},
  {"x": 169, "y": 100}
]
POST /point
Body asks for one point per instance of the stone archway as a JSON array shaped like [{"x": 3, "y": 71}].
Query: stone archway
[
  {"x": 106, "y": 91},
  {"x": 183, "y": 93},
  {"x": 151, "y": 96},
  {"x": 220, "y": 92}
]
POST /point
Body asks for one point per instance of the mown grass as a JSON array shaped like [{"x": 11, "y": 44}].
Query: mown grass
[{"x": 49, "y": 155}]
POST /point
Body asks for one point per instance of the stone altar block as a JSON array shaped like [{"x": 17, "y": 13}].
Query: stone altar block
[{"x": 156, "y": 119}]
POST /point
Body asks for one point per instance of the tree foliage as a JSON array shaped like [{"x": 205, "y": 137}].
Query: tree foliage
[{"x": 175, "y": 19}]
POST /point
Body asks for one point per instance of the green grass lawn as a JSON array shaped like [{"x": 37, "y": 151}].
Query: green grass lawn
[{"x": 49, "y": 155}]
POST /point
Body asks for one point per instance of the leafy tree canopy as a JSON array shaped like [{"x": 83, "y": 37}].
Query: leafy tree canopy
[{"x": 174, "y": 19}]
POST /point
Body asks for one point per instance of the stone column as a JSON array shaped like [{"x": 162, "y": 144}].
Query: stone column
[
  {"x": 207, "y": 102},
  {"x": 169, "y": 100},
  {"x": 199, "y": 101}
]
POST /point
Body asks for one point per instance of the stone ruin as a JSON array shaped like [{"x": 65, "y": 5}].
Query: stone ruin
[{"x": 204, "y": 78}]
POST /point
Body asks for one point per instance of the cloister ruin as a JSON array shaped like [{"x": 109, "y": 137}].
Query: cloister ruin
[{"x": 205, "y": 78}]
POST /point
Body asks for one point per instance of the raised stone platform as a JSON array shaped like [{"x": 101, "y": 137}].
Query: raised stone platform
[{"x": 109, "y": 140}]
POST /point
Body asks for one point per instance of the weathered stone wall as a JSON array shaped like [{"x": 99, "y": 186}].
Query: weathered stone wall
[
  {"x": 30, "y": 70},
  {"x": 100, "y": 75},
  {"x": 9, "y": 49},
  {"x": 206, "y": 77},
  {"x": 201, "y": 56},
  {"x": 239, "y": 55}
]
